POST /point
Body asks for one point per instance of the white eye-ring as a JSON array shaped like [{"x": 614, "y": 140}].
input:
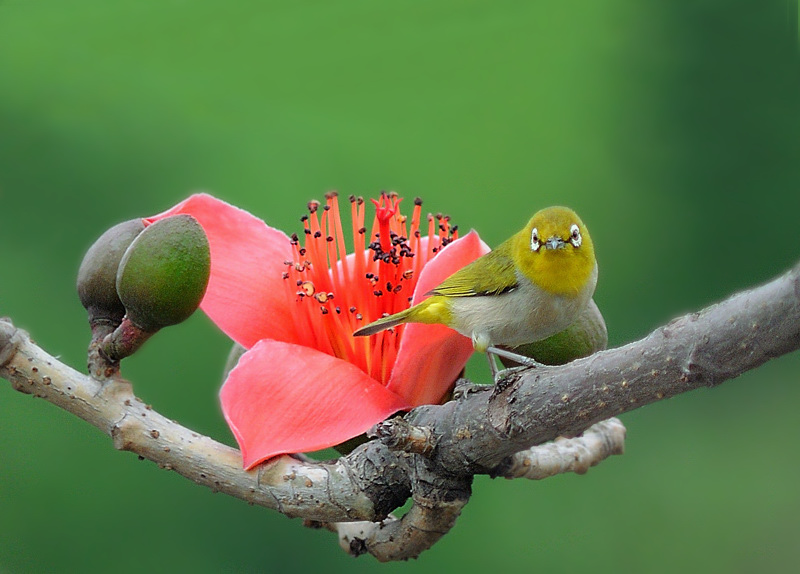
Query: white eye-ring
[
  {"x": 575, "y": 236},
  {"x": 535, "y": 243}
]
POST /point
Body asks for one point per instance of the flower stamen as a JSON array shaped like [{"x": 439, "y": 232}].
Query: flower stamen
[{"x": 377, "y": 280}]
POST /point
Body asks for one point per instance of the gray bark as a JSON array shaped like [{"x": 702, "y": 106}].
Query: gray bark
[{"x": 432, "y": 454}]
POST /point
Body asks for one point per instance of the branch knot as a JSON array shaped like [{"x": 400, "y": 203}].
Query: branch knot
[{"x": 399, "y": 434}]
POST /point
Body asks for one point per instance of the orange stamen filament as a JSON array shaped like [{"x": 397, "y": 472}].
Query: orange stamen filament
[{"x": 334, "y": 297}]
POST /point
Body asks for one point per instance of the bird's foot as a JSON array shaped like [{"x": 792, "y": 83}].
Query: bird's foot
[
  {"x": 464, "y": 388},
  {"x": 516, "y": 357},
  {"x": 505, "y": 376},
  {"x": 502, "y": 376}
]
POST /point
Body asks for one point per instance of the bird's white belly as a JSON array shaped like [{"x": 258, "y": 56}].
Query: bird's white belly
[{"x": 523, "y": 315}]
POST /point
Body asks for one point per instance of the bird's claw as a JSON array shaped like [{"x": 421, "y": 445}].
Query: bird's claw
[
  {"x": 501, "y": 378},
  {"x": 464, "y": 388}
]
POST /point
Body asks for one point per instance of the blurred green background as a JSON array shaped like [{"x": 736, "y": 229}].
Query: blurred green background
[{"x": 673, "y": 128}]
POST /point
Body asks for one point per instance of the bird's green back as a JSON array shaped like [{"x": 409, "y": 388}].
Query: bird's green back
[{"x": 490, "y": 274}]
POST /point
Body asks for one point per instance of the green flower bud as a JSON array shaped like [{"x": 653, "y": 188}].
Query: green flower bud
[
  {"x": 587, "y": 335},
  {"x": 161, "y": 280},
  {"x": 97, "y": 276},
  {"x": 164, "y": 273}
]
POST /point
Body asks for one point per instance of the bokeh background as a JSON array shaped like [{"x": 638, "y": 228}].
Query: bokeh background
[{"x": 672, "y": 127}]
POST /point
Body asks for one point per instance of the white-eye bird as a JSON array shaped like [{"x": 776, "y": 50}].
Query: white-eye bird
[{"x": 535, "y": 284}]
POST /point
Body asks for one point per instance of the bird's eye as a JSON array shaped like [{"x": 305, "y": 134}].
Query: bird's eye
[
  {"x": 535, "y": 243},
  {"x": 575, "y": 235}
]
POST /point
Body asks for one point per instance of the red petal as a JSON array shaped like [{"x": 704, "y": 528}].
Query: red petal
[
  {"x": 283, "y": 398},
  {"x": 431, "y": 356},
  {"x": 428, "y": 361},
  {"x": 246, "y": 295}
]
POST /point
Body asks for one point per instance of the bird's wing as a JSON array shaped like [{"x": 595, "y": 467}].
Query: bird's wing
[{"x": 498, "y": 277}]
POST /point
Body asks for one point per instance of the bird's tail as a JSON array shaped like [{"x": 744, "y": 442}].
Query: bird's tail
[{"x": 383, "y": 323}]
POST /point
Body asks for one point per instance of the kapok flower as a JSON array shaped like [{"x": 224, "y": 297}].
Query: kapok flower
[{"x": 305, "y": 382}]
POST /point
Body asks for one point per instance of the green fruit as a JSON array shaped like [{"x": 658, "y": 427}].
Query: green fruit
[
  {"x": 585, "y": 336},
  {"x": 97, "y": 276},
  {"x": 164, "y": 273}
]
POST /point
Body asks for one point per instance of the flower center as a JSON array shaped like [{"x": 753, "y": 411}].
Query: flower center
[{"x": 336, "y": 293}]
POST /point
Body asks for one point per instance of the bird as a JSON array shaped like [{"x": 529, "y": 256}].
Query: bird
[{"x": 533, "y": 285}]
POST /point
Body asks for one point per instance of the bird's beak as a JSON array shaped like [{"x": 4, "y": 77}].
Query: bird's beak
[{"x": 555, "y": 242}]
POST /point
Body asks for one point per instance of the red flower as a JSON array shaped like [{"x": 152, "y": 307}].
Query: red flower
[{"x": 305, "y": 382}]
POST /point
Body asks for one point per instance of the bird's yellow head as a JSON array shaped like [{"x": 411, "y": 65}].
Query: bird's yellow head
[{"x": 555, "y": 251}]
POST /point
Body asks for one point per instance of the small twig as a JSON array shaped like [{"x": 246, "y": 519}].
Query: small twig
[
  {"x": 564, "y": 455},
  {"x": 397, "y": 434},
  {"x": 400, "y": 539},
  {"x": 285, "y": 484}
]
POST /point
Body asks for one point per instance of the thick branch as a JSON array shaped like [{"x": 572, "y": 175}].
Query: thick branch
[
  {"x": 537, "y": 405},
  {"x": 441, "y": 447}
]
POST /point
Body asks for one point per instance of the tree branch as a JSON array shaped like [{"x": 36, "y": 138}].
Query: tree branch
[
  {"x": 432, "y": 455},
  {"x": 533, "y": 406},
  {"x": 563, "y": 455},
  {"x": 320, "y": 491}
]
